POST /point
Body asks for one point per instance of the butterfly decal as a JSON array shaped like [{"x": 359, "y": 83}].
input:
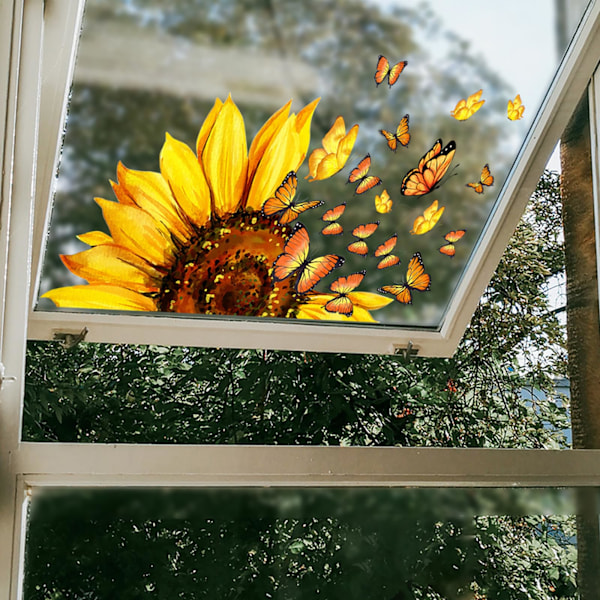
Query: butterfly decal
[
  {"x": 384, "y": 252},
  {"x": 362, "y": 232},
  {"x": 342, "y": 286},
  {"x": 294, "y": 259},
  {"x": 467, "y": 108},
  {"x": 383, "y": 203},
  {"x": 416, "y": 279},
  {"x": 330, "y": 217},
  {"x": 360, "y": 175},
  {"x": 384, "y": 69},
  {"x": 427, "y": 175},
  {"x": 400, "y": 136},
  {"x": 283, "y": 206},
  {"x": 452, "y": 237},
  {"x": 486, "y": 179},
  {"x": 515, "y": 109}
]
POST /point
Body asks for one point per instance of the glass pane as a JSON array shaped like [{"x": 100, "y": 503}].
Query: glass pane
[
  {"x": 220, "y": 235},
  {"x": 152, "y": 394},
  {"x": 289, "y": 543}
]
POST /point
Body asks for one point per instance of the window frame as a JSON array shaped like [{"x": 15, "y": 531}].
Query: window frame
[{"x": 26, "y": 466}]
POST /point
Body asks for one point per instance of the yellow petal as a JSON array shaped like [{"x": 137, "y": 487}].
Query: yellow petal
[
  {"x": 303, "y": 121},
  {"x": 151, "y": 192},
  {"x": 114, "y": 265},
  {"x": 180, "y": 167},
  {"x": 225, "y": 159},
  {"x": 263, "y": 138},
  {"x": 99, "y": 297},
  {"x": 368, "y": 300},
  {"x": 280, "y": 157},
  {"x": 207, "y": 126},
  {"x": 137, "y": 231},
  {"x": 95, "y": 238}
]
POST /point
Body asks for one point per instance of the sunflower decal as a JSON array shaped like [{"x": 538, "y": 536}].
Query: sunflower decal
[{"x": 195, "y": 238}]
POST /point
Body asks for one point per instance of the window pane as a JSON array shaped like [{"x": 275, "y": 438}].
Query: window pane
[
  {"x": 288, "y": 543},
  {"x": 146, "y": 68}
]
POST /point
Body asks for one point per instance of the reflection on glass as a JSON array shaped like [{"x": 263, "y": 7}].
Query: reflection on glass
[
  {"x": 287, "y": 543},
  {"x": 417, "y": 106}
]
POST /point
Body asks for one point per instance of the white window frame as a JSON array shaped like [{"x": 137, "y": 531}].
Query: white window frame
[{"x": 25, "y": 467}]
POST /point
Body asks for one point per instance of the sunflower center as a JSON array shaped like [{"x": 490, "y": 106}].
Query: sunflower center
[{"x": 226, "y": 270}]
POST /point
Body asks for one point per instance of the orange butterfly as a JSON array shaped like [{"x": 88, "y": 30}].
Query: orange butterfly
[
  {"x": 330, "y": 217},
  {"x": 384, "y": 250},
  {"x": 430, "y": 170},
  {"x": 294, "y": 259},
  {"x": 452, "y": 237},
  {"x": 486, "y": 179},
  {"x": 365, "y": 182},
  {"x": 385, "y": 70},
  {"x": 416, "y": 279},
  {"x": 342, "y": 287},
  {"x": 402, "y": 136},
  {"x": 362, "y": 232},
  {"x": 282, "y": 204}
]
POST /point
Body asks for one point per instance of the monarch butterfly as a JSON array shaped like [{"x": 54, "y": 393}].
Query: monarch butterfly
[
  {"x": 384, "y": 251},
  {"x": 430, "y": 170},
  {"x": 294, "y": 259},
  {"x": 331, "y": 216},
  {"x": 282, "y": 204},
  {"x": 384, "y": 69},
  {"x": 342, "y": 287},
  {"x": 452, "y": 237},
  {"x": 515, "y": 109},
  {"x": 401, "y": 136},
  {"x": 365, "y": 182},
  {"x": 486, "y": 179},
  {"x": 416, "y": 279},
  {"x": 465, "y": 109},
  {"x": 332, "y": 229}
]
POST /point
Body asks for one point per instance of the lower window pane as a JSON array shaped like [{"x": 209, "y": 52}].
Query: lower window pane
[{"x": 291, "y": 543}]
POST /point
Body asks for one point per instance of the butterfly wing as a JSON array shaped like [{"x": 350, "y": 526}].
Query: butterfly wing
[
  {"x": 281, "y": 204},
  {"x": 366, "y": 230},
  {"x": 448, "y": 250},
  {"x": 361, "y": 170},
  {"x": 359, "y": 247},
  {"x": 416, "y": 278},
  {"x": 294, "y": 255},
  {"x": 392, "y": 141},
  {"x": 367, "y": 183},
  {"x": 383, "y": 68},
  {"x": 315, "y": 270},
  {"x": 387, "y": 246},
  {"x": 486, "y": 177},
  {"x": 454, "y": 236},
  {"x": 333, "y": 214},
  {"x": 340, "y": 304},
  {"x": 332, "y": 229},
  {"x": 388, "y": 261},
  {"x": 345, "y": 285},
  {"x": 430, "y": 170},
  {"x": 402, "y": 133},
  {"x": 400, "y": 291},
  {"x": 476, "y": 186},
  {"x": 395, "y": 71}
]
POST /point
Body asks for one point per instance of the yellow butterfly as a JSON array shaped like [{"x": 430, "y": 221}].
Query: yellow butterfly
[
  {"x": 426, "y": 222},
  {"x": 467, "y": 108},
  {"x": 515, "y": 108}
]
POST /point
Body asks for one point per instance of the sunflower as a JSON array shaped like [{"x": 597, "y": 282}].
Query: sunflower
[{"x": 193, "y": 238}]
